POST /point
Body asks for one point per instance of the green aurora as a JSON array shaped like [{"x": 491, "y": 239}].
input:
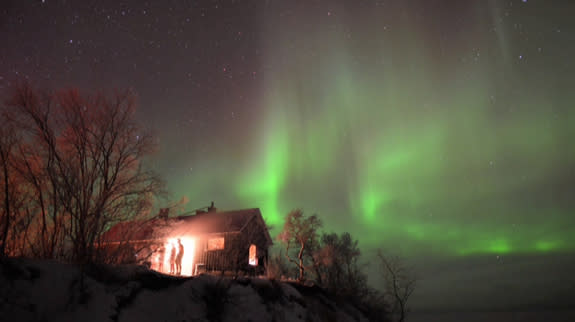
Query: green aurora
[
  {"x": 441, "y": 131},
  {"x": 377, "y": 130}
]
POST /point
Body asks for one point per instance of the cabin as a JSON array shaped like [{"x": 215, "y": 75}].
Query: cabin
[{"x": 203, "y": 241}]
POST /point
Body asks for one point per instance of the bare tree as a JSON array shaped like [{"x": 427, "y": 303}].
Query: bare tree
[
  {"x": 399, "y": 283},
  {"x": 85, "y": 168},
  {"x": 336, "y": 264},
  {"x": 11, "y": 191},
  {"x": 299, "y": 233},
  {"x": 46, "y": 233}
]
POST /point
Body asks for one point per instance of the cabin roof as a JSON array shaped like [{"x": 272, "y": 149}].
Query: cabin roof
[{"x": 211, "y": 222}]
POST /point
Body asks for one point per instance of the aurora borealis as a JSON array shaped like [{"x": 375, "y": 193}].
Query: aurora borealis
[
  {"x": 442, "y": 128},
  {"x": 404, "y": 145}
]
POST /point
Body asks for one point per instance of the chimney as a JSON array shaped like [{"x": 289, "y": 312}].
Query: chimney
[
  {"x": 212, "y": 208},
  {"x": 164, "y": 212}
]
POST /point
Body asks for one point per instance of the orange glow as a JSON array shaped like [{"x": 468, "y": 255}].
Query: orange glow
[
  {"x": 170, "y": 246},
  {"x": 216, "y": 243},
  {"x": 253, "y": 255}
]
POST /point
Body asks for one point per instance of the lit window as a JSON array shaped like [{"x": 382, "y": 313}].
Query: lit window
[
  {"x": 216, "y": 243},
  {"x": 253, "y": 255}
]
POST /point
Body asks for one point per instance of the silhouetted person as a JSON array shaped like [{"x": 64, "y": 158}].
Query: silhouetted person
[
  {"x": 172, "y": 257},
  {"x": 161, "y": 257},
  {"x": 179, "y": 257}
]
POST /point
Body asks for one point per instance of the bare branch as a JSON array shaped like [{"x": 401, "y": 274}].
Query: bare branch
[
  {"x": 399, "y": 282},
  {"x": 81, "y": 157}
]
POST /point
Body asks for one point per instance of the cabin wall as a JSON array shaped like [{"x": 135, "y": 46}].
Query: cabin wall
[{"x": 233, "y": 259}]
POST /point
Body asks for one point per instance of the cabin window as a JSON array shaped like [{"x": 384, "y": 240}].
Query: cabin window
[
  {"x": 253, "y": 255},
  {"x": 216, "y": 243}
]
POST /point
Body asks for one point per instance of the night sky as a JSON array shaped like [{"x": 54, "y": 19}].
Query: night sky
[{"x": 441, "y": 130}]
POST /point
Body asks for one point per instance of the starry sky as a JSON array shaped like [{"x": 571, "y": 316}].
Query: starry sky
[{"x": 440, "y": 130}]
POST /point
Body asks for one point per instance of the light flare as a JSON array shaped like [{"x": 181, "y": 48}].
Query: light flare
[{"x": 171, "y": 245}]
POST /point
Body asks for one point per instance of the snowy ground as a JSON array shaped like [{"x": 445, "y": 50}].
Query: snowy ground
[{"x": 48, "y": 291}]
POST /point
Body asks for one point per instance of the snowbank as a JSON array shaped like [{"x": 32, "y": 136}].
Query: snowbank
[{"x": 33, "y": 290}]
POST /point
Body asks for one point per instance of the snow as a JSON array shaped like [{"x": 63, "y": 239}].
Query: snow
[{"x": 32, "y": 290}]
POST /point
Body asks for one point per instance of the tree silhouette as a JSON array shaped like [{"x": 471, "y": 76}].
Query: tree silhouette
[
  {"x": 299, "y": 233},
  {"x": 399, "y": 283},
  {"x": 10, "y": 190},
  {"x": 81, "y": 156},
  {"x": 336, "y": 264}
]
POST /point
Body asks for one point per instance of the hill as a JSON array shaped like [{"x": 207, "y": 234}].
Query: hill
[{"x": 33, "y": 290}]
